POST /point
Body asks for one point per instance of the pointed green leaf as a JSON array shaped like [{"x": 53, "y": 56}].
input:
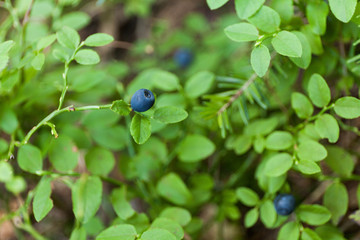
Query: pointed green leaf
[
  {"x": 246, "y": 8},
  {"x": 343, "y": 9},
  {"x": 268, "y": 213},
  {"x": 336, "y": 199},
  {"x": 29, "y": 158},
  {"x": 327, "y": 127},
  {"x": 121, "y": 107},
  {"x": 195, "y": 148},
  {"x": 266, "y": 19},
  {"x": 172, "y": 188},
  {"x": 287, "y": 44},
  {"x": 42, "y": 203},
  {"x": 279, "y": 140},
  {"x": 301, "y": 104},
  {"x": 140, "y": 128},
  {"x": 278, "y": 164},
  {"x": 319, "y": 91},
  {"x": 120, "y": 204},
  {"x": 344, "y": 167},
  {"x": 305, "y": 59},
  {"x": 87, "y": 57},
  {"x": 308, "y": 167},
  {"x": 68, "y": 37},
  {"x": 251, "y": 217},
  {"x": 170, "y": 114},
  {"x": 215, "y": 4},
  {"x": 313, "y": 214},
  {"x": 316, "y": 13},
  {"x": 98, "y": 39},
  {"x": 289, "y": 231},
  {"x": 260, "y": 60},
  {"x": 347, "y": 107},
  {"x": 117, "y": 232},
  {"x": 311, "y": 150},
  {"x": 247, "y": 196},
  {"x": 242, "y": 32}
]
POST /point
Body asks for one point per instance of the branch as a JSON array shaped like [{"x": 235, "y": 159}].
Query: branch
[
  {"x": 242, "y": 89},
  {"x": 237, "y": 94}
]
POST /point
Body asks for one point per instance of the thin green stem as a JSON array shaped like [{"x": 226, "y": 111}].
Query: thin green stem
[
  {"x": 28, "y": 228},
  {"x": 57, "y": 112},
  {"x": 13, "y": 14},
  {"x": 65, "y": 76}
]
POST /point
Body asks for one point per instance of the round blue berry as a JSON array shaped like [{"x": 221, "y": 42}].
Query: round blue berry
[
  {"x": 183, "y": 57},
  {"x": 142, "y": 100},
  {"x": 284, "y": 204}
]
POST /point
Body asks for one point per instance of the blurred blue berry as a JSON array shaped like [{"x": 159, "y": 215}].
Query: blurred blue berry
[
  {"x": 142, "y": 100},
  {"x": 183, "y": 57},
  {"x": 284, "y": 204}
]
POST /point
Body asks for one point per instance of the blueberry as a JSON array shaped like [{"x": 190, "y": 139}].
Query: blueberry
[
  {"x": 183, "y": 57},
  {"x": 142, "y": 100},
  {"x": 284, "y": 204}
]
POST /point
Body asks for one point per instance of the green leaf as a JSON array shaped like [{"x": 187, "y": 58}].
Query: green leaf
[
  {"x": 199, "y": 84},
  {"x": 140, "y": 128},
  {"x": 247, "y": 196},
  {"x": 316, "y": 13},
  {"x": 344, "y": 167},
  {"x": 313, "y": 214},
  {"x": 78, "y": 234},
  {"x": 215, "y": 4},
  {"x": 260, "y": 60},
  {"x": 164, "y": 80},
  {"x": 311, "y": 150},
  {"x": 308, "y": 167},
  {"x": 99, "y": 161},
  {"x": 343, "y": 9},
  {"x": 319, "y": 91},
  {"x": 172, "y": 188},
  {"x": 313, "y": 39},
  {"x": 16, "y": 185},
  {"x": 117, "y": 232},
  {"x": 180, "y": 215},
  {"x": 6, "y": 46},
  {"x": 86, "y": 197},
  {"x": 251, "y": 217},
  {"x": 74, "y": 19},
  {"x": 42, "y": 203},
  {"x": 329, "y": 232},
  {"x": 266, "y": 19},
  {"x": 195, "y": 148},
  {"x": 170, "y": 114},
  {"x": 169, "y": 225},
  {"x": 301, "y": 104},
  {"x": 114, "y": 138},
  {"x": 8, "y": 120},
  {"x": 268, "y": 213},
  {"x": 6, "y": 171},
  {"x": 120, "y": 107},
  {"x": 120, "y": 204},
  {"x": 38, "y": 61},
  {"x": 87, "y": 57},
  {"x": 285, "y": 8},
  {"x": 98, "y": 39},
  {"x": 29, "y": 158},
  {"x": 305, "y": 59},
  {"x": 336, "y": 199},
  {"x": 279, "y": 140},
  {"x": 278, "y": 164},
  {"x": 259, "y": 144},
  {"x": 242, "y": 144},
  {"x": 347, "y": 107},
  {"x": 287, "y": 44},
  {"x": 45, "y": 42},
  {"x": 242, "y": 32},
  {"x": 68, "y": 37},
  {"x": 308, "y": 234},
  {"x": 158, "y": 234},
  {"x": 261, "y": 127},
  {"x": 327, "y": 127},
  {"x": 289, "y": 231},
  {"x": 246, "y": 8},
  {"x": 63, "y": 154},
  {"x": 4, "y": 60}
]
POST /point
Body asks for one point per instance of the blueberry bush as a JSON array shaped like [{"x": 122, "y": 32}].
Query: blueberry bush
[{"x": 170, "y": 120}]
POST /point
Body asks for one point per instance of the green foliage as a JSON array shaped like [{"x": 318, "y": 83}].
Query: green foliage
[{"x": 268, "y": 104}]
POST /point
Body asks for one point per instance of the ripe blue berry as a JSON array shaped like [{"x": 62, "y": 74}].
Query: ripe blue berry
[
  {"x": 142, "y": 100},
  {"x": 284, "y": 204},
  {"x": 183, "y": 57}
]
